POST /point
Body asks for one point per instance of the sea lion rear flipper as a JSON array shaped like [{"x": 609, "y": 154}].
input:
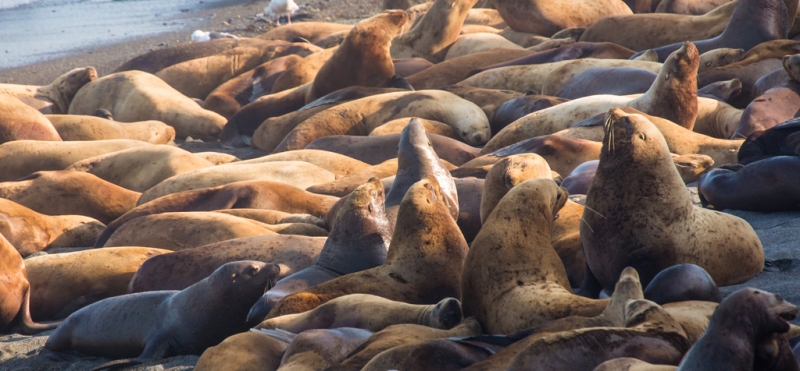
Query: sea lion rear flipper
[
  {"x": 26, "y": 323},
  {"x": 118, "y": 364}
]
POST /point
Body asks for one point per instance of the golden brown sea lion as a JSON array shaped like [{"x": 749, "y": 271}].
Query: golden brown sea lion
[
  {"x": 247, "y": 351},
  {"x": 478, "y": 42},
  {"x": 20, "y": 121},
  {"x": 343, "y": 186},
  {"x": 544, "y": 18},
  {"x": 80, "y": 127},
  {"x": 139, "y": 96},
  {"x": 435, "y": 32},
  {"x": 311, "y": 31},
  {"x": 396, "y": 126},
  {"x": 652, "y": 235},
  {"x": 56, "y": 97},
  {"x": 338, "y": 164}
]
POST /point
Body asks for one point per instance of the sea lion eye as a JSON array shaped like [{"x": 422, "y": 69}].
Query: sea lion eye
[
  {"x": 642, "y": 136},
  {"x": 369, "y": 207}
]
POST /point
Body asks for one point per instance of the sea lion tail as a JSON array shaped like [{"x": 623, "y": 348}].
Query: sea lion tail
[
  {"x": 278, "y": 334},
  {"x": 26, "y": 322}
]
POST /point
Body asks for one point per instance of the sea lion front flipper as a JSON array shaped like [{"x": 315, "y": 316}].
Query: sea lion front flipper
[{"x": 26, "y": 323}]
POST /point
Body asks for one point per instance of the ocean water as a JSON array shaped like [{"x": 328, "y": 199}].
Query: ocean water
[{"x": 38, "y": 30}]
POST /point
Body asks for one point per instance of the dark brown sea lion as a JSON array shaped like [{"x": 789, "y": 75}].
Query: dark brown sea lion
[
  {"x": 358, "y": 240},
  {"x": 638, "y": 225},
  {"x": 166, "y": 323},
  {"x": 682, "y": 282},
  {"x": 580, "y": 179},
  {"x": 741, "y": 323},
  {"x": 16, "y": 292},
  {"x": 516, "y": 108},
  {"x": 257, "y": 194},
  {"x": 181, "y": 269},
  {"x": 69, "y": 192},
  {"x": 541, "y": 18},
  {"x": 609, "y": 80},
  {"x": 763, "y": 20},
  {"x": 766, "y": 185},
  {"x": 375, "y": 150},
  {"x": 430, "y": 354},
  {"x": 55, "y": 97},
  {"x": 779, "y": 140},
  {"x": 423, "y": 264},
  {"x": 19, "y": 121}
]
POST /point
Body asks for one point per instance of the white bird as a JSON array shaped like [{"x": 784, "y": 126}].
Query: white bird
[
  {"x": 199, "y": 36},
  {"x": 279, "y": 8}
]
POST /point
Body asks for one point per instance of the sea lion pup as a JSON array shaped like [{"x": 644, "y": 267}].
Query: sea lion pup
[
  {"x": 425, "y": 237},
  {"x": 32, "y": 232},
  {"x": 397, "y": 335},
  {"x": 538, "y": 269},
  {"x": 24, "y": 157},
  {"x": 141, "y": 168},
  {"x": 539, "y": 17},
  {"x": 363, "y": 58},
  {"x": 296, "y": 173},
  {"x": 138, "y": 96},
  {"x": 181, "y": 269},
  {"x": 368, "y": 312},
  {"x": 56, "y": 97},
  {"x": 647, "y": 232},
  {"x": 679, "y": 140},
  {"x": 435, "y": 32},
  {"x": 20, "y": 121},
  {"x": 650, "y": 334},
  {"x": 673, "y": 96},
  {"x": 647, "y": 31},
  {"x": 336, "y": 163},
  {"x": 66, "y": 282},
  {"x": 766, "y": 185},
  {"x": 376, "y": 150},
  {"x": 242, "y": 352},
  {"x": 358, "y": 240},
  {"x": 16, "y": 293},
  {"x": 68, "y": 192},
  {"x": 627, "y": 288},
  {"x": 161, "y": 324},
  {"x": 741, "y": 322},
  {"x": 361, "y": 116},
  {"x": 765, "y": 20},
  {"x": 257, "y": 194},
  {"x": 80, "y": 127}
]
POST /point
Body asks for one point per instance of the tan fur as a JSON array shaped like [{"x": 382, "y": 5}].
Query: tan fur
[{"x": 85, "y": 128}]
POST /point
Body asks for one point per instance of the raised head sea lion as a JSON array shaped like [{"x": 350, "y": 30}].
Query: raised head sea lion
[
  {"x": 56, "y": 97},
  {"x": 20, "y": 121},
  {"x": 404, "y": 276},
  {"x": 139, "y": 96},
  {"x": 507, "y": 173},
  {"x": 358, "y": 240},
  {"x": 166, "y": 323},
  {"x": 81, "y": 127},
  {"x": 643, "y": 233},
  {"x": 435, "y": 32}
]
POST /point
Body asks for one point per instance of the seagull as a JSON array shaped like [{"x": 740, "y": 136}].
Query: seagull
[
  {"x": 279, "y": 8},
  {"x": 199, "y": 36}
]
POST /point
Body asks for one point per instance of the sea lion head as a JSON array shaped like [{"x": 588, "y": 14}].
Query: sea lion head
[
  {"x": 445, "y": 315},
  {"x": 632, "y": 137},
  {"x": 768, "y": 313},
  {"x": 379, "y": 29},
  {"x": 682, "y": 63},
  {"x": 720, "y": 57},
  {"x": 63, "y": 88},
  {"x": 791, "y": 64},
  {"x": 245, "y": 275}
]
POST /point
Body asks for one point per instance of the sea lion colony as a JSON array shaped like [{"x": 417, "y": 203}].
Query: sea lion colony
[{"x": 396, "y": 202}]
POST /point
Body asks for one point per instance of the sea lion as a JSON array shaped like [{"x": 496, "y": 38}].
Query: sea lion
[
  {"x": 158, "y": 59},
  {"x": 774, "y": 107},
  {"x": 166, "y": 323},
  {"x": 435, "y": 32},
  {"x": 338, "y": 164},
  {"x": 258, "y": 194},
  {"x": 302, "y": 73},
  {"x": 719, "y": 57},
  {"x": 368, "y": 312},
  {"x": 544, "y": 273},
  {"x": 397, "y": 335},
  {"x": 66, "y": 282},
  {"x": 230, "y": 96},
  {"x": 766, "y": 185},
  {"x": 311, "y": 31},
  {"x": 180, "y": 269},
  {"x": 217, "y": 158},
  {"x": 513, "y": 109},
  {"x": 608, "y": 80},
  {"x": 467, "y": 119},
  {"x": 343, "y": 186},
  {"x": 358, "y": 240},
  {"x": 482, "y": 97},
  {"x": 16, "y": 293},
  {"x": 56, "y": 97},
  {"x": 20, "y": 121},
  {"x": 363, "y": 58},
  {"x": 647, "y": 31},
  {"x": 318, "y": 349},
  {"x": 179, "y": 231},
  {"x": 440, "y": 243},
  {"x": 544, "y": 19},
  {"x": 139, "y": 96},
  {"x": 452, "y": 71},
  {"x": 80, "y": 127},
  {"x": 417, "y": 160},
  {"x": 507, "y": 173},
  {"x": 679, "y": 140},
  {"x": 742, "y": 321},
  {"x": 247, "y": 351},
  {"x": 405, "y": 67},
  {"x": 673, "y": 96},
  {"x": 764, "y": 20},
  {"x": 23, "y": 157},
  {"x": 650, "y": 246},
  {"x": 30, "y": 232},
  {"x": 141, "y": 168},
  {"x": 780, "y": 140},
  {"x": 682, "y": 282},
  {"x": 68, "y": 192},
  {"x": 396, "y": 126},
  {"x": 478, "y": 42},
  {"x": 436, "y": 354},
  {"x": 580, "y": 179},
  {"x": 297, "y": 173},
  {"x": 724, "y": 91}
]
